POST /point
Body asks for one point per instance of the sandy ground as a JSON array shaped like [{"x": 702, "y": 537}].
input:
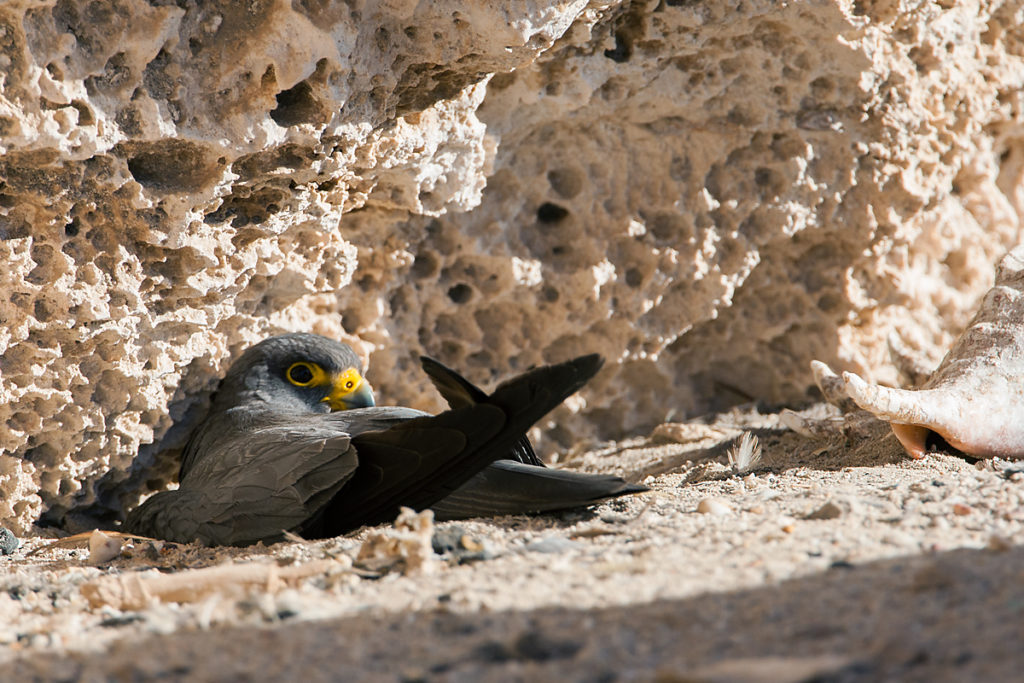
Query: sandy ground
[{"x": 836, "y": 558}]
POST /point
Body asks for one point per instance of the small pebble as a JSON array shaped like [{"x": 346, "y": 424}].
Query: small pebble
[
  {"x": 713, "y": 506},
  {"x": 829, "y": 510},
  {"x": 449, "y": 539},
  {"x": 8, "y": 542},
  {"x": 961, "y": 510},
  {"x": 456, "y": 543},
  {"x": 103, "y": 548}
]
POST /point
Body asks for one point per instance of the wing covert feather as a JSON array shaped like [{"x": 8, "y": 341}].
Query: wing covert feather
[{"x": 279, "y": 478}]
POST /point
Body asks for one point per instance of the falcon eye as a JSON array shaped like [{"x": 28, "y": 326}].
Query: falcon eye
[
  {"x": 301, "y": 374},
  {"x": 349, "y": 384}
]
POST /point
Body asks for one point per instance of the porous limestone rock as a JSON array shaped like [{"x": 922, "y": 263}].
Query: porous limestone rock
[
  {"x": 172, "y": 181},
  {"x": 710, "y": 194}
]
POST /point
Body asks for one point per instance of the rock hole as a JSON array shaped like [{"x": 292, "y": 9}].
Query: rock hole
[
  {"x": 613, "y": 89},
  {"x": 159, "y": 84},
  {"x": 47, "y": 267},
  {"x": 822, "y": 87},
  {"x": 770, "y": 181},
  {"x": 430, "y": 201},
  {"x": 296, "y": 106},
  {"x": 85, "y": 116},
  {"x": 460, "y": 293},
  {"x": 72, "y": 228},
  {"x": 566, "y": 182},
  {"x": 320, "y": 73},
  {"x": 551, "y": 213},
  {"x": 481, "y": 359},
  {"x": 763, "y": 177},
  {"x": 425, "y": 265},
  {"x": 268, "y": 81},
  {"x": 451, "y": 351},
  {"x": 634, "y": 278},
  {"x": 742, "y": 115},
  {"x": 172, "y": 166},
  {"x": 623, "y": 49},
  {"x": 669, "y": 227},
  {"x": 42, "y": 311},
  {"x": 502, "y": 81},
  {"x": 383, "y": 39},
  {"x": 116, "y": 73},
  {"x": 24, "y": 422}
]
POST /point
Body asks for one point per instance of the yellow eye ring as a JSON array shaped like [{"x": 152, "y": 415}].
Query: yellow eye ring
[
  {"x": 303, "y": 374},
  {"x": 349, "y": 384}
]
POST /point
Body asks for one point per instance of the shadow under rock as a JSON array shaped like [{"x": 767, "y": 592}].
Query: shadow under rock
[
  {"x": 951, "y": 616},
  {"x": 872, "y": 445}
]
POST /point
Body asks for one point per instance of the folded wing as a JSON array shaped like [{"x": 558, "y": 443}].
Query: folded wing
[
  {"x": 418, "y": 462},
  {"x": 255, "y": 489}
]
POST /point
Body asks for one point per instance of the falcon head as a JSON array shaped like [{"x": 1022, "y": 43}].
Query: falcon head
[{"x": 296, "y": 372}]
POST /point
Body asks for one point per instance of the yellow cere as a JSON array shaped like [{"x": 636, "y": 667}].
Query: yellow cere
[{"x": 344, "y": 384}]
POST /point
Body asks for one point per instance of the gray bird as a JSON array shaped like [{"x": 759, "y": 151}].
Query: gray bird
[{"x": 294, "y": 442}]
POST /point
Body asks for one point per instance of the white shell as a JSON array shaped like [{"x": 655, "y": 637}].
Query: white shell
[{"x": 975, "y": 398}]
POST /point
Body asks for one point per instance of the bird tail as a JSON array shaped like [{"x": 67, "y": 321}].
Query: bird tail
[{"x": 506, "y": 487}]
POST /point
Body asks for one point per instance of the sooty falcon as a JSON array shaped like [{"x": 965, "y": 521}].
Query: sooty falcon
[{"x": 294, "y": 442}]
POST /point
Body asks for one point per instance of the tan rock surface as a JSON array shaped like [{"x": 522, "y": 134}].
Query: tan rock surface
[{"x": 709, "y": 194}]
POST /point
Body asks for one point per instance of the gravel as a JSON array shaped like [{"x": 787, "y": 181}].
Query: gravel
[{"x": 837, "y": 558}]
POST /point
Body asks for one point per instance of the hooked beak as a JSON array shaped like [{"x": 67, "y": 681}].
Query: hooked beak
[{"x": 360, "y": 397}]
